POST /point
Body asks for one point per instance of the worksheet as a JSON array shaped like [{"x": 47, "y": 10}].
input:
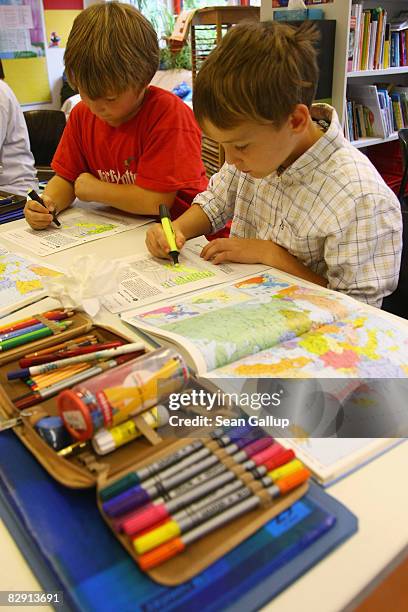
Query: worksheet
[
  {"x": 147, "y": 279},
  {"x": 82, "y": 223},
  {"x": 21, "y": 281}
]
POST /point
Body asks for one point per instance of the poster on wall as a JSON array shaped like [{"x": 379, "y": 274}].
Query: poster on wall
[
  {"x": 21, "y": 29},
  {"x": 22, "y": 50}
]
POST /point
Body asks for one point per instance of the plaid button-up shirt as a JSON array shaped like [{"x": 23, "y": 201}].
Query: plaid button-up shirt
[{"x": 330, "y": 209}]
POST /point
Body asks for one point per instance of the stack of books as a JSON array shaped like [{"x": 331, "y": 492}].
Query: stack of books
[{"x": 375, "y": 41}]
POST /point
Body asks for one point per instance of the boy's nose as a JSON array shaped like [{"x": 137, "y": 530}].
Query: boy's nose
[
  {"x": 97, "y": 107},
  {"x": 231, "y": 157}
]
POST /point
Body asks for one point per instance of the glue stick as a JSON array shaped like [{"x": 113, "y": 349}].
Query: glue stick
[{"x": 107, "y": 440}]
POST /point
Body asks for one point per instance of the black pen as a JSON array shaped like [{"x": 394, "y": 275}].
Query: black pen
[{"x": 34, "y": 196}]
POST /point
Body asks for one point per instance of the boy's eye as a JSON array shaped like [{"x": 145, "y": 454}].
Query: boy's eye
[
  {"x": 241, "y": 147},
  {"x": 110, "y": 99}
]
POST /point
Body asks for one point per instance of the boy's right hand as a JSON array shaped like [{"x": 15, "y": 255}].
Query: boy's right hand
[
  {"x": 157, "y": 244},
  {"x": 36, "y": 215}
]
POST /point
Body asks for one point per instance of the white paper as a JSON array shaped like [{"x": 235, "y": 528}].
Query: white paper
[
  {"x": 78, "y": 226},
  {"x": 14, "y": 40},
  {"x": 148, "y": 279},
  {"x": 14, "y": 17},
  {"x": 21, "y": 281}
]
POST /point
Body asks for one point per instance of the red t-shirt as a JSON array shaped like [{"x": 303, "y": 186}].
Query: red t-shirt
[{"x": 158, "y": 149}]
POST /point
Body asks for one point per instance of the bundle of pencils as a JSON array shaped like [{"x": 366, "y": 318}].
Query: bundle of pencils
[
  {"x": 23, "y": 331},
  {"x": 67, "y": 364}
]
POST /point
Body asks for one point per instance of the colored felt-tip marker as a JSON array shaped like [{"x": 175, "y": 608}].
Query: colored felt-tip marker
[
  {"x": 169, "y": 233},
  {"x": 6, "y": 201},
  {"x": 134, "y": 347},
  {"x": 33, "y": 195},
  {"x": 134, "y": 478},
  {"x": 140, "y": 495},
  {"x": 201, "y": 485},
  {"x": 176, "y": 545}
]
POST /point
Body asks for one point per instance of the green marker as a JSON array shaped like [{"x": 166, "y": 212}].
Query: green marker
[
  {"x": 169, "y": 233},
  {"x": 31, "y": 336}
]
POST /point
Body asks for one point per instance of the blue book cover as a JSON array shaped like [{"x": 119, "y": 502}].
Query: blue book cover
[{"x": 70, "y": 548}]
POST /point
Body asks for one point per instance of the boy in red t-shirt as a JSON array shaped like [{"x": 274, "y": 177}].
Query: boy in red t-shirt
[{"x": 127, "y": 145}]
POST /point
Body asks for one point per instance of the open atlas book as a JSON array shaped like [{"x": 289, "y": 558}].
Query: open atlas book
[
  {"x": 245, "y": 333},
  {"x": 266, "y": 326}
]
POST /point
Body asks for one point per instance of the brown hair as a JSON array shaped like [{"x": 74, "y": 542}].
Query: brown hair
[
  {"x": 111, "y": 46},
  {"x": 259, "y": 72}
]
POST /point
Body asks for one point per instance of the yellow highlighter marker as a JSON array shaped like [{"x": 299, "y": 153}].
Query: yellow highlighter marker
[{"x": 169, "y": 233}]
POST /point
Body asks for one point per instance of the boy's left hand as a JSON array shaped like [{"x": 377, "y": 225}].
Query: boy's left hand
[
  {"x": 85, "y": 186},
  {"x": 239, "y": 250}
]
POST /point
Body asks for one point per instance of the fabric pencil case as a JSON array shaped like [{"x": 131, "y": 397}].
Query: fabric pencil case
[{"x": 253, "y": 502}]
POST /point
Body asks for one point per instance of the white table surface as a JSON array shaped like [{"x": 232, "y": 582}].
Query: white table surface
[{"x": 377, "y": 493}]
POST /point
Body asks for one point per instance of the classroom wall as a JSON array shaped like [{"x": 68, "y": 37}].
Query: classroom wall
[{"x": 58, "y": 17}]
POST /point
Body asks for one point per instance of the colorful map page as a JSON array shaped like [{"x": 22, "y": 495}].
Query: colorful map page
[
  {"x": 246, "y": 318},
  {"x": 21, "y": 281},
  {"x": 359, "y": 346}
]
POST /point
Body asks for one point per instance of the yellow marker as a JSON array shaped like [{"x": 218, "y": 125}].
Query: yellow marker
[
  {"x": 285, "y": 470},
  {"x": 169, "y": 233},
  {"x": 157, "y": 536}
]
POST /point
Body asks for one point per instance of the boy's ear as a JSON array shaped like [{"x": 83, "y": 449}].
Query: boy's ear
[{"x": 299, "y": 118}]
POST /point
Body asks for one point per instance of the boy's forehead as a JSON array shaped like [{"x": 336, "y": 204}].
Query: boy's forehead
[{"x": 225, "y": 136}]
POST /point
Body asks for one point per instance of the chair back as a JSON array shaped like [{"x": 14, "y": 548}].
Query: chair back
[
  {"x": 45, "y": 129},
  {"x": 397, "y": 302},
  {"x": 403, "y": 140}
]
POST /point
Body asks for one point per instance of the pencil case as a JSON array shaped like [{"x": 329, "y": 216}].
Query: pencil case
[
  {"x": 85, "y": 468},
  {"x": 82, "y": 468}
]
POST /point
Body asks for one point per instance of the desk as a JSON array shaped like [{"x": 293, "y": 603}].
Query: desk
[{"x": 343, "y": 578}]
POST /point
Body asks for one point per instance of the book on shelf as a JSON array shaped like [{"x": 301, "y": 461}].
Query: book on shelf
[
  {"x": 368, "y": 96},
  {"x": 376, "y": 41},
  {"x": 378, "y": 110},
  {"x": 274, "y": 325},
  {"x": 351, "y": 43}
]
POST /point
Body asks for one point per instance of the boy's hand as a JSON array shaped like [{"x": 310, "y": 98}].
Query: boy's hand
[
  {"x": 238, "y": 250},
  {"x": 85, "y": 186},
  {"x": 157, "y": 244},
  {"x": 36, "y": 215}
]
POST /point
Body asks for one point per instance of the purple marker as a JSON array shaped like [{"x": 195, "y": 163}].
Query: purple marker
[
  {"x": 233, "y": 432},
  {"x": 140, "y": 495}
]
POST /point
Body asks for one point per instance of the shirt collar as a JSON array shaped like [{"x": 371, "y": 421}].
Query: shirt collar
[{"x": 328, "y": 143}]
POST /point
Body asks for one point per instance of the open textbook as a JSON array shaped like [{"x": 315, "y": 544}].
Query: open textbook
[
  {"x": 83, "y": 222},
  {"x": 147, "y": 279},
  {"x": 314, "y": 346},
  {"x": 265, "y": 326},
  {"x": 21, "y": 280},
  {"x": 330, "y": 459}
]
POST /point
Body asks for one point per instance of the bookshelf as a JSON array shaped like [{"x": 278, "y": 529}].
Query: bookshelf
[{"x": 340, "y": 11}]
